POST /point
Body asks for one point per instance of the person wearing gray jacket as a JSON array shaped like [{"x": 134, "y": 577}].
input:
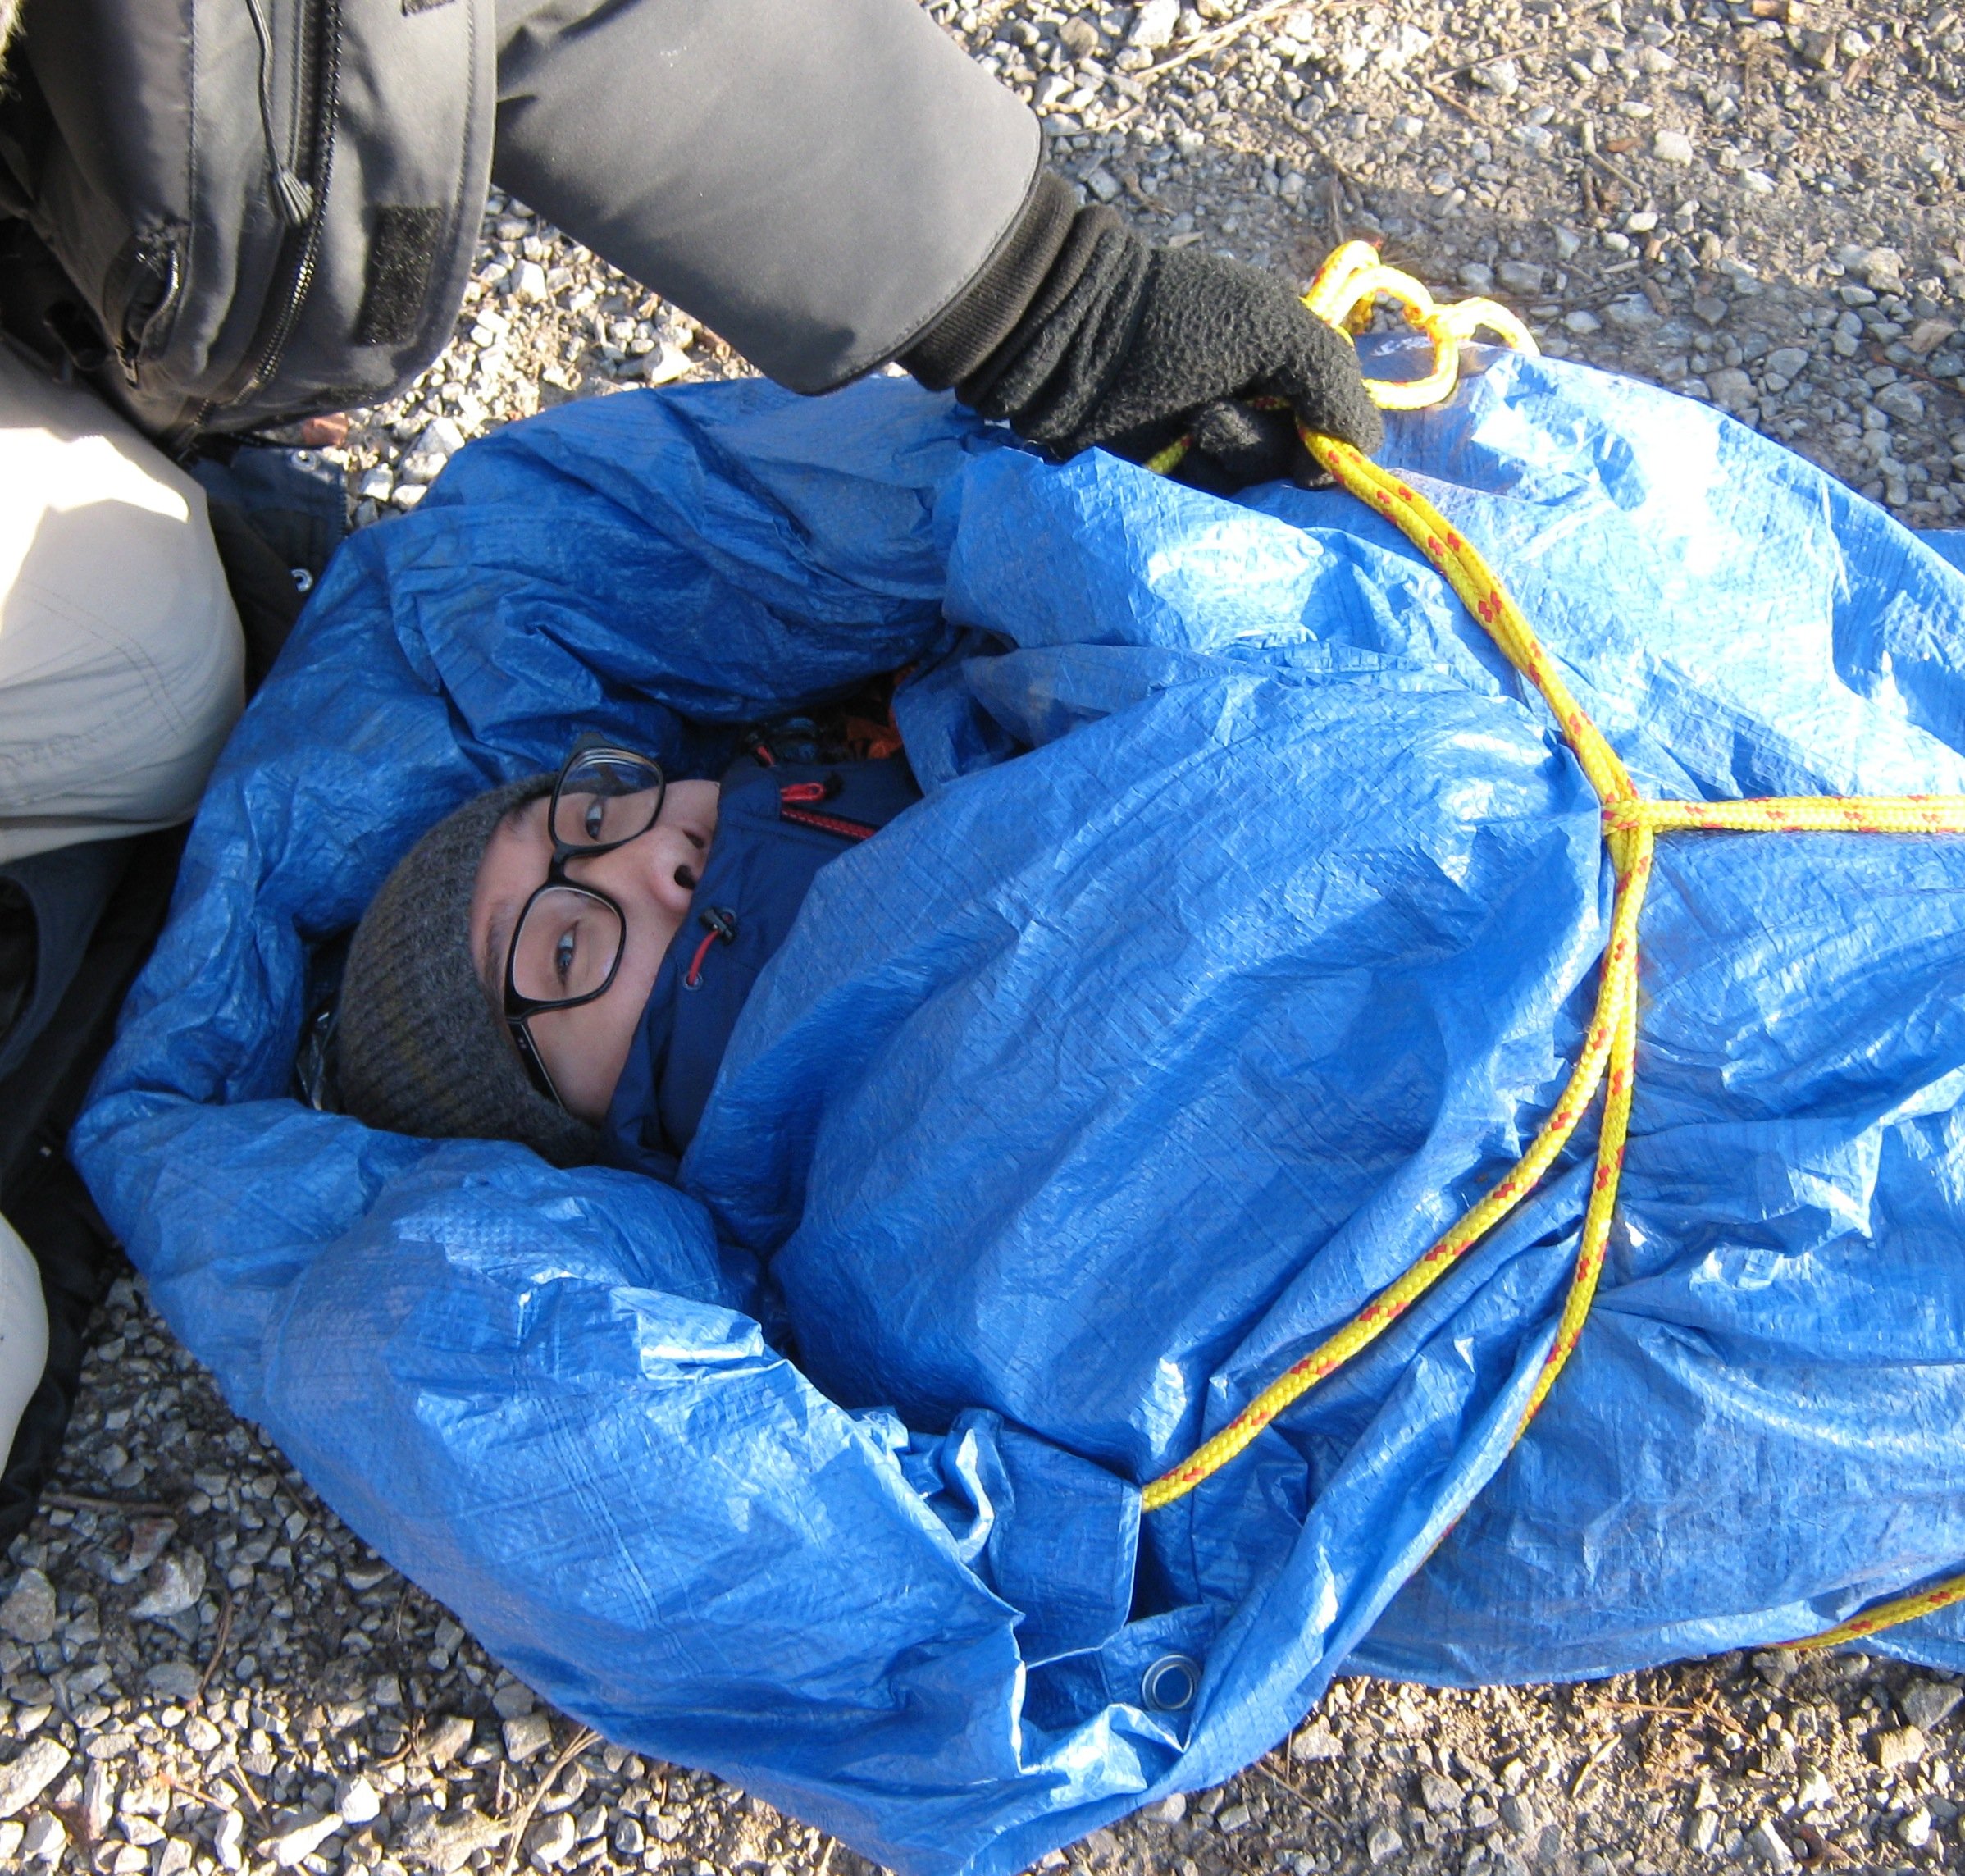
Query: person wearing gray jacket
[{"x": 259, "y": 208}]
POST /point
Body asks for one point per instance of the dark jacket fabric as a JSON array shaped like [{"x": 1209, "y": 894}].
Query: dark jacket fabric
[{"x": 776, "y": 826}]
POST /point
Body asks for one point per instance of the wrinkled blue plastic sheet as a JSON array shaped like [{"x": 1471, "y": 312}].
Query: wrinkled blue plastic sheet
[{"x": 1101, "y": 1086}]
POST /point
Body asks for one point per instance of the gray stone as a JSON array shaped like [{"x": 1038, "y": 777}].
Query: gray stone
[
  {"x": 175, "y": 1680},
  {"x": 529, "y": 1734},
  {"x": 1924, "y": 1704},
  {"x": 439, "y": 436},
  {"x": 551, "y": 1841},
  {"x": 449, "y": 1846},
  {"x": 1672, "y": 147},
  {"x": 172, "y": 1858},
  {"x": 1078, "y": 36},
  {"x": 1438, "y": 1793},
  {"x": 357, "y": 1801},
  {"x": 1777, "y": 1666},
  {"x": 513, "y": 1700},
  {"x": 1582, "y": 322},
  {"x": 1233, "y": 1817},
  {"x": 450, "y": 1735},
  {"x": 1900, "y": 400},
  {"x": 1477, "y": 277},
  {"x": 1770, "y": 1846},
  {"x": 1503, "y": 76},
  {"x": 300, "y": 1839},
  {"x": 628, "y": 1838},
  {"x": 1790, "y": 361},
  {"x": 98, "y": 1798},
  {"x": 1914, "y": 1832},
  {"x": 1896, "y": 1749},
  {"x": 1632, "y": 313},
  {"x": 28, "y": 1613},
  {"x": 1102, "y": 184},
  {"x": 529, "y": 283},
  {"x": 1730, "y": 388},
  {"x": 228, "y": 1841},
  {"x": 1169, "y": 1810},
  {"x": 26, "y": 1777},
  {"x": 1316, "y": 1741},
  {"x": 1521, "y": 276},
  {"x": 1518, "y": 1815},
  {"x": 44, "y": 1839},
  {"x": 1383, "y": 1844},
  {"x": 1154, "y": 24}
]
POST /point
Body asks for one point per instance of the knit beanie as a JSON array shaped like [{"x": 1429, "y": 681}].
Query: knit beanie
[{"x": 422, "y": 1046}]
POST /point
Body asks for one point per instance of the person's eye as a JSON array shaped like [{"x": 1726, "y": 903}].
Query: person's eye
[
  {"x": 565, "y": 954},
  {"x": 596, "y": 818}
]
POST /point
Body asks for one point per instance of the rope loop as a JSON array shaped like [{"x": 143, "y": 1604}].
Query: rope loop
[{"x": 1344, "y": 293}]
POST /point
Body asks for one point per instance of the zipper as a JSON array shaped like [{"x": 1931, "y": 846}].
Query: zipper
[
  {"x": 292, "y": 196},
  {"x": 306, "y": 255}
]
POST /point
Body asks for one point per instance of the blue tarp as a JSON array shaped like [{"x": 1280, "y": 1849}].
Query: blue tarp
[{"x": 1245, "y": 934}]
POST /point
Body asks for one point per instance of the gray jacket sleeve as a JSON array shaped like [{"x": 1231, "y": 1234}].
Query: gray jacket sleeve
[{"x": 816, "y": 180}]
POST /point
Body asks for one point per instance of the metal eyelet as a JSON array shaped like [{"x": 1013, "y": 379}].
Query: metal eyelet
[{"x": 1171, "y": 1683}]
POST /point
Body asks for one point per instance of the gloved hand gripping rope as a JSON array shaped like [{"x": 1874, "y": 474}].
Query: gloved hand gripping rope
[{"x": 1343, "y": 294}]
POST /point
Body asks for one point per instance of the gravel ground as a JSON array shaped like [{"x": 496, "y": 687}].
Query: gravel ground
[{"x": 201, "y": 1669}]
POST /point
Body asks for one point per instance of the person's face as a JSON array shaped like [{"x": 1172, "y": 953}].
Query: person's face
[{"x": 651, "y": 879}]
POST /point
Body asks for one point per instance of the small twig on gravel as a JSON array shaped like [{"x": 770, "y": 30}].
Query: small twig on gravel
[
  {"x": 218, "y": 1647},
  {"x": 1492, "y": 58},
  {"x": 1645, "y": 1706},
  {"x": 1591, "y": 1763},
  {"x": 191, "y": 1790},
  {"x": 1298, "y": 1793},
  {"x": 412, "y": 1739},
  {"x": 521, "y": 1822},
  {"x": 94, "y": 1501},
  {"x": 236, "y": 1770},
  {"x": 1819, "y": 1848},
  {"x": 1223, "y": 35},
  {"x": 1449, "y": 100}
]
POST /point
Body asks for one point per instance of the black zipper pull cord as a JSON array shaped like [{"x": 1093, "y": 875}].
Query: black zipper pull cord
[{"x": 292, "y": 197}]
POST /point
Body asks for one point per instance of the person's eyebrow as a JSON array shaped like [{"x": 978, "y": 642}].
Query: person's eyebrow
[{"x": 497, "y": 941}]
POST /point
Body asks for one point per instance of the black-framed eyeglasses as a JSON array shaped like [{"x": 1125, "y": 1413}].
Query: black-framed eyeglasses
[{"x": 568, "y": 939}]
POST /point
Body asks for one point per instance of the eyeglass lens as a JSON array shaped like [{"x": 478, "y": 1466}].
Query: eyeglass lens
[
  {"x": 605, "y": 799},
  {"x": 565, "y": 945}
]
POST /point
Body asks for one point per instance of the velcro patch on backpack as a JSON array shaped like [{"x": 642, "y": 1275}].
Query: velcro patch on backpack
[{"x": 400, "y": 256}]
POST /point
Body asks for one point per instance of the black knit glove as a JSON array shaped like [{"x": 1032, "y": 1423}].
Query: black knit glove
[{"x": 1078, "y": 333}]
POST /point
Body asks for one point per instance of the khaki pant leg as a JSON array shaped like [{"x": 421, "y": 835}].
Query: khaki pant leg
[
  {"x": 23, "y": 1333},
  {"x": 121, "y": 661}
]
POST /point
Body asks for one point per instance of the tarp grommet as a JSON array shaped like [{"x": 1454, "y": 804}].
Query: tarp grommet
[{"x": 1170, "y": 1684}]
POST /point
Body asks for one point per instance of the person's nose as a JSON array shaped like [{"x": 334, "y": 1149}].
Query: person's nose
[{"x": 660, "y": 870}]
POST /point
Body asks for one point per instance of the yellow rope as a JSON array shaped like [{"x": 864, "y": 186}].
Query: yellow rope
[{"x": 1343, "y": 293}]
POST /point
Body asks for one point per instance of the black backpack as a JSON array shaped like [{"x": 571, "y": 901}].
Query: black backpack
[{"x": 230, "y": 213}]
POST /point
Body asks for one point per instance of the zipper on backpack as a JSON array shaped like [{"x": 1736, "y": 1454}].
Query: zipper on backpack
[
  {"x": 303, "y": 238},
  {"x": 291, "y": 196}
]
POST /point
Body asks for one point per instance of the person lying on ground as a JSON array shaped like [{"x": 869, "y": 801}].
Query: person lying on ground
[{"x": 560, "y": 961}]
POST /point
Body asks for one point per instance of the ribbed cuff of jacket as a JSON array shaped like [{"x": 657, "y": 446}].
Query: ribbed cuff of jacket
[{"x": 988, "y": 309}]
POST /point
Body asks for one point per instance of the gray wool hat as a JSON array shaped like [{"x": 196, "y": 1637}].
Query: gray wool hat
[{"x": 422, "y": 1047}]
